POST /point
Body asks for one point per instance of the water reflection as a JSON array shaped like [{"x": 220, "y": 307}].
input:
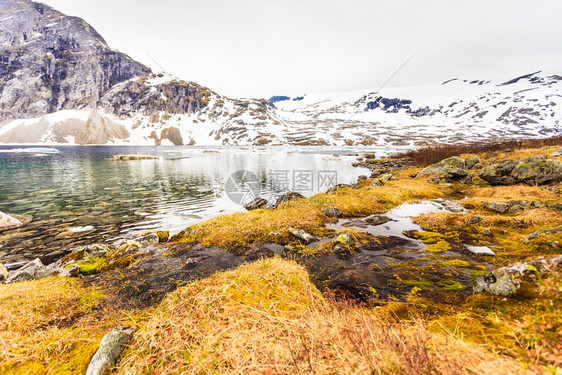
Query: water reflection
[{"x": 83, "y": 187}]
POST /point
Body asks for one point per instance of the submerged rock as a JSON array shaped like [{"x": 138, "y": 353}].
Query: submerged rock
[
  {"x": 111, "y": 347},
  {"x": 508, "y": 280},
  {"x": 378, "y": 219},
  {"x": 8, "y": 222},
  {"x": 149, "y": 239}
]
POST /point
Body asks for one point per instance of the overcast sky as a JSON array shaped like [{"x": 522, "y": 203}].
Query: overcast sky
[{"x": 261, "y": 48}]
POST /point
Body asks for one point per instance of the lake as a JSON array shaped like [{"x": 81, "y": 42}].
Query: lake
[{"x": 82, "y": 195}]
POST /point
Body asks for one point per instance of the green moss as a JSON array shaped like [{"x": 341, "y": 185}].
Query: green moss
[
  {"x": 438, "y": 247},
  {"x": 418, "y": 284},
  {"x": 451, "y": 285},
  {"x": 92, "y": 266},
  {"x": 477, "y": 273}
]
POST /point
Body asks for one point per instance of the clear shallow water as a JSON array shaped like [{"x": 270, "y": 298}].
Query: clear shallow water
[{"x": 82, "y": 195}]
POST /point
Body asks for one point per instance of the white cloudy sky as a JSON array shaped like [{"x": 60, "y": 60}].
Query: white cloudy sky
[{"x": 263, "y": 47}]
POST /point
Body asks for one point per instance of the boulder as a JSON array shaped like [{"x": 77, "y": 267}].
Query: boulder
[
  {"x": 302, "y": 235},
  {"x": 111, "y": 347},
  {"x": 502, "y": 208},
  {"x": 472, "y": 162},
  {"x": 378, "y": 219},
  {"x": 508, "y": 280},
  {"x": 288, "y": 197},
  {"x": 332, "y": 212},
  {"x": 3, "y": 273},
  {"x": 31, "y": 271},
  {"x": 499, "y": 173},
  {"x": 8, "y": 222},
  {"x": 539, "y": 172},
  {"x": 362, "y": 178},
  {"x": 454, "y": 166},
  {"x": 532, "y": 171},
  {"x": 557, "y": 153},
  {"x": 256, "y": 204}
]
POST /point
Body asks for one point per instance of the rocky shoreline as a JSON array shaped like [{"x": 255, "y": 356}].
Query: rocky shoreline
[{"x": 440, "y": 257}]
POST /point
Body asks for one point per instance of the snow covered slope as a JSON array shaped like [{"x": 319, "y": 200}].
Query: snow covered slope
[
  {"x": 60, "y": 83},
  {"x": 454, "y": 111}
]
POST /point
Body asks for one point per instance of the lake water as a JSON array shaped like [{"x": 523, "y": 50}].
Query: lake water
[{"x": 82, "y": 195}]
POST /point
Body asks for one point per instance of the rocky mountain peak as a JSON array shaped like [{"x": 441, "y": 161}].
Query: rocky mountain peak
[{"x": 50, "y": 62}]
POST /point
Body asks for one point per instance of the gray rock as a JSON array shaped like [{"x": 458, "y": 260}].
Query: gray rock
[
  {"x": 149, "y": 239},
  {"x": 302, "y": 235},
  {"x": 288, "y": 197},
  {"x": 8, "y": 222},
  {"x": 532, "y": 171},
  {"x": 466, "y": 180},
  {"x": 256, "y": 204},
  {"x": 502, "y": 208},
  {"x": 454, "y": 166},
  {"x": 508, "y": 280},
  {"x": 362, "y": 178},
  {"x": 440, "y": 178},
  {"x": 475, "y": 220},
  {"x": 111, "y": 347},
  {"x": 3, "y": 273},
  {"x": 31, "y": 271},
  {"x": 486, "y": 232},
  {"x": 386, "y": 177},
  {"x": 332, "y": 212},
  {"x": 515, "y": 209},
  {"x": 377, "y": 182},
  {"x": 72, "y": 270},
  {"x": 452, "y": 206},
  {"x": 480, "y": 250},
  {"x": 378, "y": 219},
  {"x": 539, "y": 233},
  {"x": 557, "y": 152},
  {"x": 472, "y": 162}
]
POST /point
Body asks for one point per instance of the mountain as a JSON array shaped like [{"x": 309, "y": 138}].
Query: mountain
[{"x": 61, "y": 83}]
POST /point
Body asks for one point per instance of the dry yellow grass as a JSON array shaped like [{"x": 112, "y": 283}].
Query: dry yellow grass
[
  {"x": 267, "y": 318},
  {"x": 512, "y": 192},
  {"x": 237, "y": 231},
  {"x": 51, "y": 326}
]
